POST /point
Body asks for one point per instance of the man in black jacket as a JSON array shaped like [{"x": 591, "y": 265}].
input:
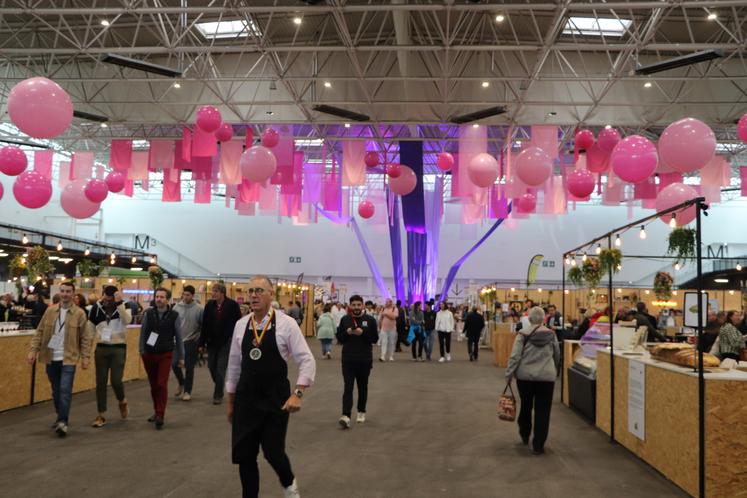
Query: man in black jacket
[
  {"x": 401, "y": 326},
  {"x": 643, "y": 319},
  {"x": 473, "y": 325},
  {"x": 429, "y": 324},
  {"x": 357, "y": 333},
  {"x": 218, "y": 321}
]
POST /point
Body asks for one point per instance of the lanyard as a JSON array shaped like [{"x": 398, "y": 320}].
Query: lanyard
[
  {"x": 59, "y": 323},
  {"x": 258, "y": 338}
]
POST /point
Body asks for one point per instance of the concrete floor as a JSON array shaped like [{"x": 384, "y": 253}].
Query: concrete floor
[{"x": 431, "y": 431}]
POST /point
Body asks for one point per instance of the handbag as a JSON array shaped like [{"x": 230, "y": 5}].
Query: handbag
[{"x": 507, "y": 404}]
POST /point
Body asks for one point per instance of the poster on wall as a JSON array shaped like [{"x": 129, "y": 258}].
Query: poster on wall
[
  {"x": 637, "y": 399},
  {"x": 691, "y": 309}
]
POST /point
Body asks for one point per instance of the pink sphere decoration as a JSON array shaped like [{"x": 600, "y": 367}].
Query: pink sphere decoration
[
  {"x": 2, "y": 190},
  {"x": 40, "y": 108},
  {"x": 742, "y": 128},
  {"x": 366, "y": 209},
  {"x": 584, "y": 139},
  {"x": 371, "y": 159},
  {"x": 533, "y": 166},
  {"x": 258, "y": 164},
  {"x": 672, "y": 195},
  {"x": 74, "y": 201},
  {"x": 445, "y": 161},
  {"x": 687, "y": 145},
  {"x": 526, "y": 203},
  {"x": 405, "y": 182},
  {"x": 393, "y": 170},
  {"x": 224, "y": 133},
  {"x": 634, "y": 159},
  {"x": 270, "y": 137},
  {"x": 115, "y": 181},
  {"x": 96, "y": 190},
  {"x": 483, "y": 170},
  {"x": 607, "y": 139},
  {"x": 13, "y": 161},
  {"x": 208, "y": 119},
  {"x": 32, "y": 190},
  {"x": 580, "y": 183}
]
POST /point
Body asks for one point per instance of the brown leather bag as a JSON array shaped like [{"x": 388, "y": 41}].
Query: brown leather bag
[{"x": 507, "y": 404}]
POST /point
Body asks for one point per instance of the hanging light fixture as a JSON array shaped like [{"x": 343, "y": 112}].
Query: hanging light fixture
[
  {"x": 59, "y": 245},
  {"x": 24, "y": 239},
  {"x": 642, "y": 235},
  {"x": 673, "y": 221},
  {"x": 567, "y": 260},
  {"x": 618, "y": 240},
  {"x": 87, "y": 252},
  {"x": 134, "y": 259},
  {"x": 573, "y": 262},
  {"x": 677, "y": 266},
  {"x": 152, "y": 259},
  {"x": 739, "y": 267},
  {"x": 619, "y": 267},
  {"x": 584, "y": 258},
  {"x": 113, "y": 256},
  {"x": 599, "y": 249}
]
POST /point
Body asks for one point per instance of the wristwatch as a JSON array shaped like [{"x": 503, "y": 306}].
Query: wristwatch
[{"x": 298, "y": 393}]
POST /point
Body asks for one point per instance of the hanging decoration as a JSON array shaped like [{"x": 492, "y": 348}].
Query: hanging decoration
[
  {"x": 608, "y": 139},
  {"x": 576, "y": 276},
  {"x": 533, "y": 166},
  {"x": 483, "y": 170},
  {"x": 32, "y": 190},
  {"x": 13, "y": 161},
  {"x": 663, "y": 285},
  {"x": 393, "y": 170},
  {"x": 445, "y": 161},
  {"x": 673, "y": 195},
  {"x": 208, "y": 119},
  {"x": 224, "y": 133},
  {"x": 592, "y": 272},
  {"x": 40, "y": 108},
  {"x": 580, "y": 183},
  {"x": 257, "y": 164},
  {"x": 371, "y": 159},
  {"x": 270, "y": 137},
  {"x": 610, "y": 261},
  {"x": 115, "y": 180},
  {"x": 681, "y": 244},
  {"x": 634, "y": 159},
  {"x": 405, "y": 182},
  {"x": 75, "y": 202},
  {"x": 584, "y": 139}
]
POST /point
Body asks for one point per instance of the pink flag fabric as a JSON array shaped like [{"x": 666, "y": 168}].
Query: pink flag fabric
[
  {"x": 202, "y": 192},
  {"x": 353, "y": 165},
  {"x": 249, "y": 139},
  {"x": 712, "y": 174},
  {"x": 268, "y": 199},
  {"x": 546, "y": 138},
  {"x": 472, "y": 141},
  {"x": 743, "y": 180},
  {"x": 230, "y": 155},
  {"x": 666, "y": 179},
  {"x": 43, "y": 163},
  {"x": 645, "y": 190},
  {"x": 597, "y": 159},
  {"x": 179, "y": 161},
  {"x": 284, "y": 151},
  {"x": 295, "y": 187},
  {"x": 161, "y": 155},
  {"x": 139, "y": 165},
  {"x": 202, "y": 168},
  {"x": 82, "y": 165},
  {"x": 186, "y": 147},
  {"x": 613, "y": 194},
  {"x": 331, "y": 191},
  {"x": 64, "y": 174},
  {"x": 248, "y": 191},
  {"x": 129, "y": 188},
  {"x": 204, "y": 144},
  {"x": 290, "y": 205},
  {"x": 120, "y": 157},
  {"x": 312, "y": 183},
  {"x": 172, "y": 189}
]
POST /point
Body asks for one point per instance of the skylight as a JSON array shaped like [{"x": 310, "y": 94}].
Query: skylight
[
  {"x": 216, "y": 30},
  {"x": 590, "y": 26}
]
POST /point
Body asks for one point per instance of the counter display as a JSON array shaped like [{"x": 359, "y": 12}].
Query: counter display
[{"x": 503, "y": 343}]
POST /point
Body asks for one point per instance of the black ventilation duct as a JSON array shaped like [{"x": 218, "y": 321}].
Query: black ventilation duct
[
  {"x": 685, "y": 60},
  {"x": 120, "y": 60},
  {"x": 341, "y": 113},
  {"x": 90, "y": 117},
  {"x": 477, "y": 115}
]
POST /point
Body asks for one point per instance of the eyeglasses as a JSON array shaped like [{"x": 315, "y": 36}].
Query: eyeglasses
[{"x": 258, "y": 291}]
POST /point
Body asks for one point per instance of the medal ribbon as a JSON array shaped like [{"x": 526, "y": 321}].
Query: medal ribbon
[{"x": 258, "y": 338}]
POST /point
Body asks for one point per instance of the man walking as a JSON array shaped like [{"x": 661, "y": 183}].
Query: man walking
[
  {"x": 259, "y": 396},
  {"x": 401, "y": 326},
  {"x": 429, "y": 324},
  {"x": 444, "y": 328},
  {"x": 357, "y": 333},
  {"x": 473, "y": 325},
  {"x": 388, "y": 331},
  {"x": 62, "y": 337},
  {"x": 160, "y": 334},
  {"x": 190, "y": 315},
  {"x": 218, "y": 321},
  {"x": 110, "y": 319}
]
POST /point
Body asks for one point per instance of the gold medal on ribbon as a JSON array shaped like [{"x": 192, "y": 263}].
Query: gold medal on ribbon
[{"x": 256, "y": 353}]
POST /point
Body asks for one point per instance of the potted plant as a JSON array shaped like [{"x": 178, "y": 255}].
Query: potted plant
[
  {"x": 610, "y": 261},
  {"x": 663, "y": 285},
  {"x": 87, "y": 268},
  {"x": 682, "y": 243},
  {"x": 38, "y": 264},
  {"x": 592, "y": 272},
  {"x": 155, "y": 273},
  {"x": 575, "y": 276}
]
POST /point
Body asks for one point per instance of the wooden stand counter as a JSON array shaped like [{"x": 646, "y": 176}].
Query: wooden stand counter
[
  {"x": 503, "y": 343},
  {"x": 570, "y": 348},
  {"x": 671, "y": 423}
]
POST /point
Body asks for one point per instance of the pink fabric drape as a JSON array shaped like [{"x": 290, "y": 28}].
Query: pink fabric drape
[
  {"x": 202, "y": 192},
  {"x": 230, "y": 155},
  {"x": 248, "y": 191},
  {"x": 743, "y": 180},
  {"x": 546, "y": 138},
  {"x": 249, "y": 138},
  {"x": 472, "y": 141},
  {"x": 161, "y": 155},
  {"x": 471, "y": 213},
  {"x": 43, "y": 163},
  {"x": 290, "y": 205},
  {"x": 179, "y": 161},
  {"x": 613, "y": 193},
  {"x": 120, "y": 157},
  {"x": 172, "y": 188},
  {"x": 64, "y": 178},
  {"x": 331, "y": 192},
  {"x": 186, "y": 145},
  {"x": 202, "y": 168},
  {"x": 645, "y": 190},
  {"x": 82, "y": 165},
  {"x": 268, "y": 199},
  {"x": 139, "y": 165},
  {"x": 312, "y": 183},
  {"x": 597, "y": 159},
  {"x": 353, "y": 165},
  {"x": 129, "y": 188},
  {"x": 295, "y": 187},
  {"x": 712, "y": 174},
  {"x": 666, "y": 179},
  {"x": 204, "y": 144},
  {"x": 284, "y": 155}
]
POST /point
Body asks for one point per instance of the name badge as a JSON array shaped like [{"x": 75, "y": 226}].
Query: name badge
[
  {"x": 152, "y": 338},
  {"x": 364, "y": 323},
  {"x": 106, "y": 334},
  {"x": 55, "y": 342}
]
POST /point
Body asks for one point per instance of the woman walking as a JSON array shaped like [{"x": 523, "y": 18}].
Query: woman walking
[
  {"x": 444, "y": 328},
  {"x": 535, "y": 360},
  {"x": 325, "y": 331}
]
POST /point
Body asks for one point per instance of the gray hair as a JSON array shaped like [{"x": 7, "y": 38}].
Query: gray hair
[
  {"x": 265, "y": 278},
  {"x": 536, "y": 315}
]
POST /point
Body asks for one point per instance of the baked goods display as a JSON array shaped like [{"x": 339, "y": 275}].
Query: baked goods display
[{"x": 682, "y": 354}]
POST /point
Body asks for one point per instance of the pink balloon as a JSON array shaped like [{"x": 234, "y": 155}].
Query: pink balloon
[
  {"x": 366, "y": 209},
  {"x": 13, "y": 161},
  {"x": 672, "y": 195},
  {"x": 371, "y": 159},
  {"x": 96, "y": 190},
  {"x": 445, "y": 161},
  {"x": 74, "y": 201},
  {"x": 257, "y": 163},
  {"x": 634, "y": 159},
  {"x": 597, "y": 161},
  {"x": 526, "y": 203},
  {"x": 687, "y": 145},
  {"x": 393, "y": 170},
  {"x": 270, "y": 137},
  {"x": 533, "y": 166},
  {"x": 580, "y": 183},
  {"x": 584, "y": 139},
  {"x": 40, "y": 108},
  {"x": 32, "y": 190},
  {"x": 607, "y": 139},
  {"x": 405, "y": 182},
  {"x": 208, "y": 118},
  {"x": 2, "y": 190},
  {"x": 483, "y": 170},
  {"x": 742, "y": 128},
  {"x": 115, "y": 181},
  {"x": 224, "y": 133}
]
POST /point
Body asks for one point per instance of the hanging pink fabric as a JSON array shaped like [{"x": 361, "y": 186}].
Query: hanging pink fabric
[
  {"x": 139, "y": 165},
  {"x": 645, "y": 190},
  {"x": 548, "y": 197},
  {"x": 43, "y": 163},
  {"x": 179, "y": 161},
  {"x": 204, "y": 144},
  {"x": 186, "y": 147},
  {"x": 249, "y": 139},
  {"x": 230, "y": 155},
  {"x": 648, "y": 203},
  {"x": 202, "y": 192},
  {"x": 345, "y": 211},
  {"x": 290, "y": 205},
  {"x": 120, "y": 157},
  {"x": 331, "y": 191},
  {"x": 613, "y": 194},
  {"x": 244, "y": 208},
  {"x": 312, "y": 183},
  {"x": 712, "y": 174},
  {"x": 172, "y": 189},
  {"x": 248, "y": 191},
  {"x": 268, "y": 199},
  {"x": 231, "y": 193},
  {"x": 560, "y": 198},
  {"x": 597, "y": 159},
  {"x": 353, "y": 164},
  {"x": 494, "y": 202},
  {"x": 295, "y": 187},
  {"x": 161, "y": 155},
  {"x": 666, "y": 179},
  {"x": 546, "y": 138},
  {"x": 471, "y": 213},
  {"x": 129, "y": 188},
  {"x": 743, "y": 180},
  {"x": 712, "y": 193},
  {"x": 202, "y": 168},
  {"x": 284, "y": 155},
  {"x": 172, "y": 175},
  {"x": 82, "y": 165},
  {"x": 472, "y": 141},
  {"x": 64, "y": 178}
]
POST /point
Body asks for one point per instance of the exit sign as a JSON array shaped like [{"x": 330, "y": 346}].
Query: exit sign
[{"x": 294, "y": 259}]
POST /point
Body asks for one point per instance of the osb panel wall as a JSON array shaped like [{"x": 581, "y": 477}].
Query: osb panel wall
[
  {"x": 726, "y": 439},
  {"x": 570, "y": 348},
  {"x": 503, "y": 343},
  {"x": 603, "y": 392},
  {"x": 15, "y": 373}
]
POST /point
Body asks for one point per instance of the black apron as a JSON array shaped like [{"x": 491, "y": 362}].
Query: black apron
[{"x": 262, "y": 390}]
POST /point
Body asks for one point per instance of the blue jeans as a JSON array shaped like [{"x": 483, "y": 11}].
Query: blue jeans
[
  {"x": 326, "y": 346},
  {"x": 61, "y": 378},
  {"x": 430, "y": 339}
]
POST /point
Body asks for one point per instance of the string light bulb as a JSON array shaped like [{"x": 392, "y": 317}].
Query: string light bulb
[
  {"x": 134, "y": 259},
  {"x": 619, "y": 267},
  {"x": 673, "y": 221},
  {"x": 739, "y": 267},
  {"x": 642, "y": 235},
  {"x": 677, "y": 266},
  {"x": 87, "y": 252},
  {"x": 618, "y": 240},
  {"x": 584, "y": 258},
  {"x": 567, "y": 260},
  {"x": 59, "y": 245},
  {"x": 599, "y": 249},
  {"x": 113, "y": 256},
  {"x": 573, "y": 262},
  {"x": 24, "y": 240}
]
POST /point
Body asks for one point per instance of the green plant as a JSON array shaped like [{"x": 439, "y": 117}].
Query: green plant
[
  {"x": 17, "y": 267},
  {"x": 87, "y": 268},
  {"x": 156, "y": 276},
  {"x": 591, "y": 272},
  {"x": 610, "y": 261},
  {"x": 575, "y": 276},
  {"x": 38, "y": 264},
  {"x": 121, "y": 281},
  {"x": 663, "y": 285},
  {"x": 682, "y": 243}
]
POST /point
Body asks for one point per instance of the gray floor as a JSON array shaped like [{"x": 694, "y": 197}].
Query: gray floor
[{"x": 432, "y": 431}]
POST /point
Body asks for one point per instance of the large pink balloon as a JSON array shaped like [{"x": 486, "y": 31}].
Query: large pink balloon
[
  {"x": 597, "y": 161},
  {"x": 584, "y": 139},
  {"x": 483, "y": 170},
  {"x": 224, "y": 133},
  {"x": 672, "y": 195},
  {"x": 580, "y": 182},
  {"x": 270, "y": 137},
  {"x": 371, "y": 159},
  {"x": 74, "y": 201},
  {"x": 40, "y": 108},
  {"x": 258, "y": 164},
  {"x": 96, "y": 190},
  {"x": 2, "y": 190},
  {"x": 607, "y": 139},
  {"x": 687, "y": 145},
  {"x": 393, "y": 170},
  {"x": 32, "y": 190},
  {"x": 526, "y": 203},
  {"x": 533, "y": 166},
  {"x": 13, "y": 161},
  {"x": 742, "y": 128},
  {"x": 366, "y": 209},
  {"x": 634, "y": 159},
  {"x": 208, "y": 118},
  {"x": 115, "y": 181},
  {"x": 445, "y": 161},
  {"x": 405, "y": 182}
]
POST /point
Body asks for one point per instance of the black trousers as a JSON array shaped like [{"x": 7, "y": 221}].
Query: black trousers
[
  {"x": 473, "y": 346},
  {"x": 270, "y": 434},
  {"x": 535, "y": 396},
  {"x": 417, "y": 346},
  {"x": 444, "y": 341},
  {"x": 355, "y": 373},
  {"x": 217, "y": 364}
]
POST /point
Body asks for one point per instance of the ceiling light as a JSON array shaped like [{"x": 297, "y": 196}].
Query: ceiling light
[
  {"x": 177, "y": 85},
  {"x": 500, "y": 18},
  {"x": 552, "y": 114},
  {"x": 269, "y": 113},
  {"x": 297, "y": 20},
  {"x": 59, "y": 245},
  {"x": 485, "y": 84},
  {"x": 647, "y": 84},
  {"x": 87, "y": 252},
  {"x": 104, "y": 22},
  {"x": 739, "y": 267},
  {"x": 618, "y": 240},
  {"x": 136, "y": 268},
  {"x": 24, "y": 240},
  {"x": 327, "y": 84},
  {"x": 4, "y": 254},
  {"x": 347, "y": 125},
  {"x": 147, "y": 67},
  {"x": 88, "y": 116},
  {"x": 721, "y": 280},
  {"x": 475, "y": 126},
  {"x": 712, "y": 16},
  {"x": 593, "y": 26},
  {"x": 642, "y": 235},
  {"x": 685, "y": 60},
  {"x": 113, "y": 256},
  {"x": 104, "y": 125},
  {"x": 53, "y": 258},
  {"x": 608, "y": 127}
]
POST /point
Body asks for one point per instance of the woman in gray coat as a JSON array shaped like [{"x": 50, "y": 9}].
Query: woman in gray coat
[
  {"x": 535, "y": 360},
  {"x": 325, "y": 331}
]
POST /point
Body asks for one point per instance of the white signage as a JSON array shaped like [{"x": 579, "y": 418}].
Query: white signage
[
  {"x": 637, "y": 399},
  {"x": 691, "y": 309}
]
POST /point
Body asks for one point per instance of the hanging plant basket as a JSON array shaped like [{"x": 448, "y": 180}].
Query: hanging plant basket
[
  {"x": 17, "y": 267},
  {"x": 663, "y": 285},
  {"x": 575, "y": 276},
  {"x": 38, "y": 265},
  {"x": 610, "y": 261},
  {"x": 592, "y": 272},
  {"x": 87, "y": 268},
  {"x": 156, "y": 276},
  {"x": 682, "y": 243}
]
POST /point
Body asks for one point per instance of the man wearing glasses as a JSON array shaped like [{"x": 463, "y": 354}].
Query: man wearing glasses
[{"x": 260, "y": 400}]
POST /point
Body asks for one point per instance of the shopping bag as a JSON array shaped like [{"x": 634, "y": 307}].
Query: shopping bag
[{"x": 507, "y": 404}]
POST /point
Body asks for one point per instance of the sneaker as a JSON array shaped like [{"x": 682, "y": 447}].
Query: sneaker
[
  {"x": 442, "y": 360},
  {"x": 382, "y": 360},
  {"x": 152, "y": 418},
  {"x": 61, "y": 429},
  {"x": 124, "y": 410},
  {"x": 421, "y": 359},
  {"x": 99, "y": 422},
  {"x": 217, "y": 401},
  {"x": 179, "y": 392},
  {"x": 391, "y": 358},
  {"x": 414, "y": 359},
  {"x": 54, "y": 426},
  {"x": 292, "y": 491},
  {"x": 329, "y": 356},
  {"x": 344, "y": 422},
  {"x": 159, "y": 423},
  {"x": 538, "y": 451},
  {"x": 448, "y": 357},
  {"x": 361, "y": 418},
  {"x": 186, "y": 397}
]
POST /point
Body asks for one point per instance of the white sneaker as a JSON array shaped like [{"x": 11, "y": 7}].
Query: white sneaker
[
  {"x": 391, "y": 358},
  {"x": 61, "y": 429},
  {"x": 344, "y": 422},
  {"x": 442, "y": 360},
  {"x": 361, "y": 418},
  {"x": 448, "y": 357},
  {"x": 292, "y": 490}
]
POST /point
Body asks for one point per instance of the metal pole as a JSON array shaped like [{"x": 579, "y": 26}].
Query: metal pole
[
  {"x": 562, "y": 345},
  {"x": 699, "y": 210},
  {"x": 612, "y": 349},
  {"x": 33, "y": 383}
]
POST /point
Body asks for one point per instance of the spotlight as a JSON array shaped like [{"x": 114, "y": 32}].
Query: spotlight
[
  {"x": 647, "y": 292},
  {"x": 104, "y": 125},
  {"x": 347, "y": 125},
  {"x": 619, "y": 291},
  {"x": 134, "y": 281},
  {"x": 618, "y": 240},
  {"x": 111, "y": 280},
  {"x": 297, "y": 20},
  {"x": 573, "y": 262},
  {"x": 642, "y": 235},
  {"x": 584, "y": 258},
  {"x": 327, "y": 84},
  {"x": 24, "y": 240},
  {"x": 59, "y": 245},
  {"x": 500, "y": 18},
  {"x": 177, "y": 85},
  {"x": 712, "y": 16},
  {"x": 485, "y": 84},
  {"x": 105, "y": 23},
  {"x": 539, "y": 290},
  {"x": 184, "y": 281},
  {"x": 647, "y": 84}
]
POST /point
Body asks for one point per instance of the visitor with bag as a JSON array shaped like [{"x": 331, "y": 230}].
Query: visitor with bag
[{"x": 535, "y": 363}]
